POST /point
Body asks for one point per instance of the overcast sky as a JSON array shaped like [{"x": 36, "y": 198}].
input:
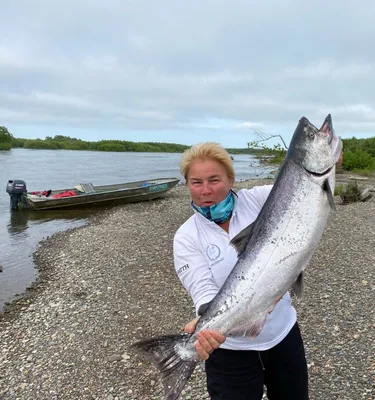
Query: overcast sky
[{"x": 185, "y": 71}]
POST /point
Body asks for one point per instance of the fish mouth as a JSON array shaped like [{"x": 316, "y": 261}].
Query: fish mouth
[
  {"x": 327, "y": 129},
  {"x": 318, "y": 174}
]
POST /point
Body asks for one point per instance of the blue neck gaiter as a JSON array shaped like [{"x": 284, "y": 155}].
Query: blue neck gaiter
[{"x": 218, "y": 212}]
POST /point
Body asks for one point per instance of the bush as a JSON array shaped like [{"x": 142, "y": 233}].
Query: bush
[
  {"x": 5, "y": 146},
  {"x": 339, "y": 189},
  {"x": 111, "y": 147},
  {"x": 18, "y": 143},
  {"x": 358, "y": 160},
  {"x": 5, "y": 138},
  {"x": 351, "y": 193},
  {"x": 40, "y": 144}
]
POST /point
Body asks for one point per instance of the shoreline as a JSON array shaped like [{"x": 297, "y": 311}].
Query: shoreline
[
  {"x": 44, "y": 272},
  {"x": 12, "y": 307},
  {"x": 111, "y": 282}
]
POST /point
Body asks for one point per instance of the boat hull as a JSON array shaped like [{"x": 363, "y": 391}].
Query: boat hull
[{"x": 130, "y": 192}]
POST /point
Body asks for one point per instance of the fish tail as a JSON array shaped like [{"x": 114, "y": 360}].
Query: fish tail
[{"x": 174, "y": 358}]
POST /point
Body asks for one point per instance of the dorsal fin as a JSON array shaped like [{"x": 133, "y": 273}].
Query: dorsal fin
[{"x": 240, "y": 241}]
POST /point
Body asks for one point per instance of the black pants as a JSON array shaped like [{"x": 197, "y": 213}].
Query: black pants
[{"x": 241, "y": 375}]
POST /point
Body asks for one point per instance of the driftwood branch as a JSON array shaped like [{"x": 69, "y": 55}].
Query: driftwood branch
[{"x": 263, "y": 137}]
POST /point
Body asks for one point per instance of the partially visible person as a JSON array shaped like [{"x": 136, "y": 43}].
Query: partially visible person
[{"x": 237, "y": 368}]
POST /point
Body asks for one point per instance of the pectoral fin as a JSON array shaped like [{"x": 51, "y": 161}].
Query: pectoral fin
[
  {"x": 297, "y": 287},
  {"x": 202, "y": 308},
  {"x": 328, "y": 190}
]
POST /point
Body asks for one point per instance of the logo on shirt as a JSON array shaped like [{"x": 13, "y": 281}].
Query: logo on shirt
[
  {"x": 182, "y": 269},
  {"x": 213, "y": 252}
]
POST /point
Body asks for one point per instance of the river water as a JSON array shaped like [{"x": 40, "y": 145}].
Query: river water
[{"x": 20, "y": 232}]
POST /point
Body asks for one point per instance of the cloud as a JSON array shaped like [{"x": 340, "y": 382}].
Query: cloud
[
  {"x": 195, "y": 66},
  {"x": 247, "y": 125},
  {"x": 329, "y": 69}
]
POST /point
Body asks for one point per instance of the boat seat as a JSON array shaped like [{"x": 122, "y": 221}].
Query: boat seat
[{"x": 85, "y": 187}]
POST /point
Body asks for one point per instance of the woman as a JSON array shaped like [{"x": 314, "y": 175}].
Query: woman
[{"x": 203, "y": 259}]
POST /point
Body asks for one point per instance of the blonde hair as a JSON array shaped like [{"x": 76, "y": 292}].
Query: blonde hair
[{"x": 207, "y": 151}]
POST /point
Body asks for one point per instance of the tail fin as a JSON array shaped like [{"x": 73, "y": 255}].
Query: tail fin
[{"x": 175, "y": 367}]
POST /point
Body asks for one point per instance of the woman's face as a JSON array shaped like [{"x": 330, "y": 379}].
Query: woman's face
[{"x": 208, "y": 182}]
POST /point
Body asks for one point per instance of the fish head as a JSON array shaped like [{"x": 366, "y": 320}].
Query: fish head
[{"x": 316, "y": 150}]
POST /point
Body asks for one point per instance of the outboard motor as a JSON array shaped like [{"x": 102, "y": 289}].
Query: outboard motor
[{"x": 16, "y": 189}]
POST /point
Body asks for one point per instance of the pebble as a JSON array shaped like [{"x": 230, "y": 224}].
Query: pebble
[{"x": 115, "y": 357}]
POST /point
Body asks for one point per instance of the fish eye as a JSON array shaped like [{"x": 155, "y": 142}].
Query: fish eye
[{"x": 311, "y": 135}]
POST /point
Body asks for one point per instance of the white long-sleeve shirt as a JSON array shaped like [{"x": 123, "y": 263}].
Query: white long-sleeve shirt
[{"x": 204, "y": 258}]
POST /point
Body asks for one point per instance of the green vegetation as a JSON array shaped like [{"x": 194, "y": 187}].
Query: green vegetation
[
  {"x": 60, "y": 142},
  {"x": 5, "y": 139},
  {"x": 359, "y": 154},
  {"x": 273, "y": 155},
  {"x": 358, "y": 157},
  {"x": 351, "y": 193},
  {"x": 339, "y": 189},
  {"x": 246, "y": 150},
  {"x": 278, "y": 154}
]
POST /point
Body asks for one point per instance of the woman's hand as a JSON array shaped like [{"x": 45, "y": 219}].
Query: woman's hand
[{"x": 207, "y": 341}]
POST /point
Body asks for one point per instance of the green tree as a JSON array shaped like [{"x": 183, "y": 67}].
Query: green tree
[
  {"x": 358, "y": 160},
  {"x": 5, "y": 138}
]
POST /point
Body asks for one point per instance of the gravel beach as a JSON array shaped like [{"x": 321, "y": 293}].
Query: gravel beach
[{"x": 103, "y": 286}]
